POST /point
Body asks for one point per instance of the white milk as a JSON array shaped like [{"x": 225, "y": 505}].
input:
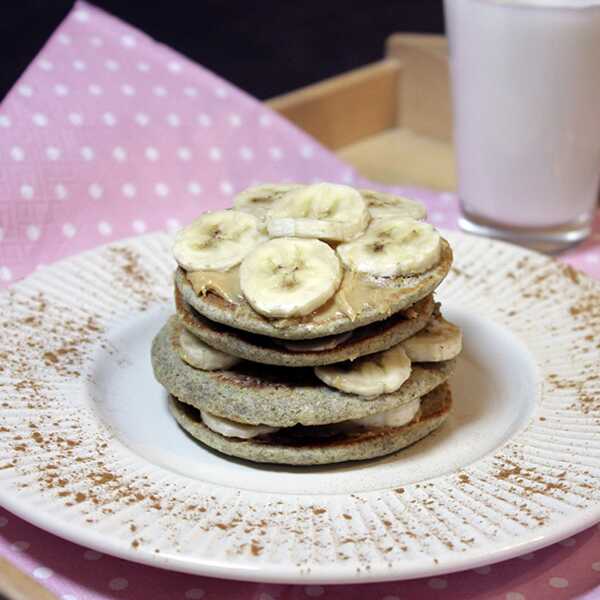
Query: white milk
[{"x": 526, "y": 86}]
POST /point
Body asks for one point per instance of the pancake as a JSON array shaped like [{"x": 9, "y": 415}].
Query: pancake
[
  {"x": 278, "y": 396},
  {"x": 304, "y": 446},
  {"x": 359, "y": 302},
  {"x": 261, "y": 349}
]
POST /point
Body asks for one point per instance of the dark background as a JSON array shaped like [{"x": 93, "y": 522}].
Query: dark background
[{"x": 266, "y": 47}]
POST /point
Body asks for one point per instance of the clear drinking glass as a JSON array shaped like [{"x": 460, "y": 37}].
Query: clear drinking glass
[{"x": 526, "y": 96}]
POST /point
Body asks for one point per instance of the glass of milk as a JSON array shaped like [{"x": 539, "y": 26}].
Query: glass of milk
[{"x": 526, "y": 95}]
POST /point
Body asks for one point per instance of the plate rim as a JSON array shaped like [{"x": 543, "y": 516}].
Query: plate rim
[{"x": 320, "y": 574}]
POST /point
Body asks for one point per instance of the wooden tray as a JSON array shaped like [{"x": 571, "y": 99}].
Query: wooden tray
[{"x": 392, "y": 119}]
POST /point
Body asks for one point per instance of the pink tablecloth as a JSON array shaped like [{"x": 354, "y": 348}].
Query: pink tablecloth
[{"x": 109, "y": 134}]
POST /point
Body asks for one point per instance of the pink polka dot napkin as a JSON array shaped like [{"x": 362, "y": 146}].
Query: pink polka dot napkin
[{"x": 109, "y": 134}]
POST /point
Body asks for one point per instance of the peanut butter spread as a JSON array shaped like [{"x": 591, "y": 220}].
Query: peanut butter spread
[{"x": 355, "y": 294}]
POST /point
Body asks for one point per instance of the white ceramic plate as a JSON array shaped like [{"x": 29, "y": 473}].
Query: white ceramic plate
[{"x": 89, "y": 452}]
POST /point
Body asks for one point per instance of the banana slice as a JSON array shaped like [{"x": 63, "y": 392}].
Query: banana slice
[
  {"x": 396, "y": 417},
  {"x": 392, "y": 247},
  {"x": 324, "y": 211},
  {"x": 439, "y": 340},
  {"x": 199, "y": 355},
  {"x": 373, "y": 375},
  {"x": 257, "y": 200},
  {"x": 232, "y": 429},
  {"x": 289, "y": 277},
  {"x": 382, "y": 206},
  {"x": 217, "y": 241}
]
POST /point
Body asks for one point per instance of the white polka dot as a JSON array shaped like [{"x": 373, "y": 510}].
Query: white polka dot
[
  {"x": 27, "y": 192},
  {"x": 215, "y": 153},
  {"x": 40, "y": 120},
  {"x": 92, "y": 555},
  {"x": 265, "y": 120},
  {"x": 151, "y": 153},
  {"x": 95, "y": 191},
  {"x": 348, "y": 176},
  {"x": 173, "y": 225},
  {"x": 437, "y": 583},
  {"x": 235, "y": 120},
  {"x": 194, "y": 188},
  {"x": 558, "y": 582},
  {"x": 64, "y": 39},
  {"x": 95, "y": 89},
  {"x": 276, "y": 153},
  {"x": 226, "y": 188},
  {"x": 486, "y": 570},
  {"x": 173, "y": 120},
  {"x": 438, "y": 217},
  {"x": 190, "y": 91},
  {"x": 144, "y": 67},
  {"x": 514, "y": 596},
  {"x": 128, "y": 41},
  {"x": 5, "y": 121},
  {"x": 161, "y": 189},
  {"x": 17, "y": 153},
  {"x": 265, "y": 596},
  {"x": 596, "y": 566},
  {"x": 79, "y": 65},
  {"x": 109, "y": 119},
  {"x": 314, "y": 591},
  {"x": 307, "y": 151},
  {"x": 45, "y": 64},
  {"x": 75, "y": 118},
  {"x": 160, "y": 91},
  {"x": 204, "y": 120},
  {"x": 118, "y": 583},
  {"x": 175, "y": 67},
  {"x": 60, "y": 89},
  {"x": 3, "y": 521},
  {"x": 104, "y": 228},
  {"x": 1, "y": 238},
  {"x": 82, "y": 16},
  {"x": 69, "y": 230},
  {"x": 194, "y": 594},
  {"x": 42, "y": 573},
  {"x": 68, "y": 597},
  {"x": 60, "y": 191},
  {"x": 33, "y": 233},
  {"x": 53, "y": 153},
  {"x": 246, "y": 153},
  {"x": 119, "y": 154},
  {"x": 127, "y": 90},
  {"x": 592, "y": 258},
  {"x": 128, "y": 190},
  {"x": 20, "y": 546},
  {"x": 221, "y": 92},
  {"x": 138, "y": 226},
  {"x": 87, "y": 153},
  {"x": 96, "y": 41},
  {"x": 112, "y": 65},
  {"x": 25, "y": 90},
  {"x": 5, "y": 275},
  {"x": 184, "y": 153},
  {"x": 568, "y": 543},
  {"x": 142, "y": 119},
  {"x": 447, "y": 198}
]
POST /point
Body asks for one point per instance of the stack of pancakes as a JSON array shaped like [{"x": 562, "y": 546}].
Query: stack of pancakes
[{"x": 363, "y": 374}]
